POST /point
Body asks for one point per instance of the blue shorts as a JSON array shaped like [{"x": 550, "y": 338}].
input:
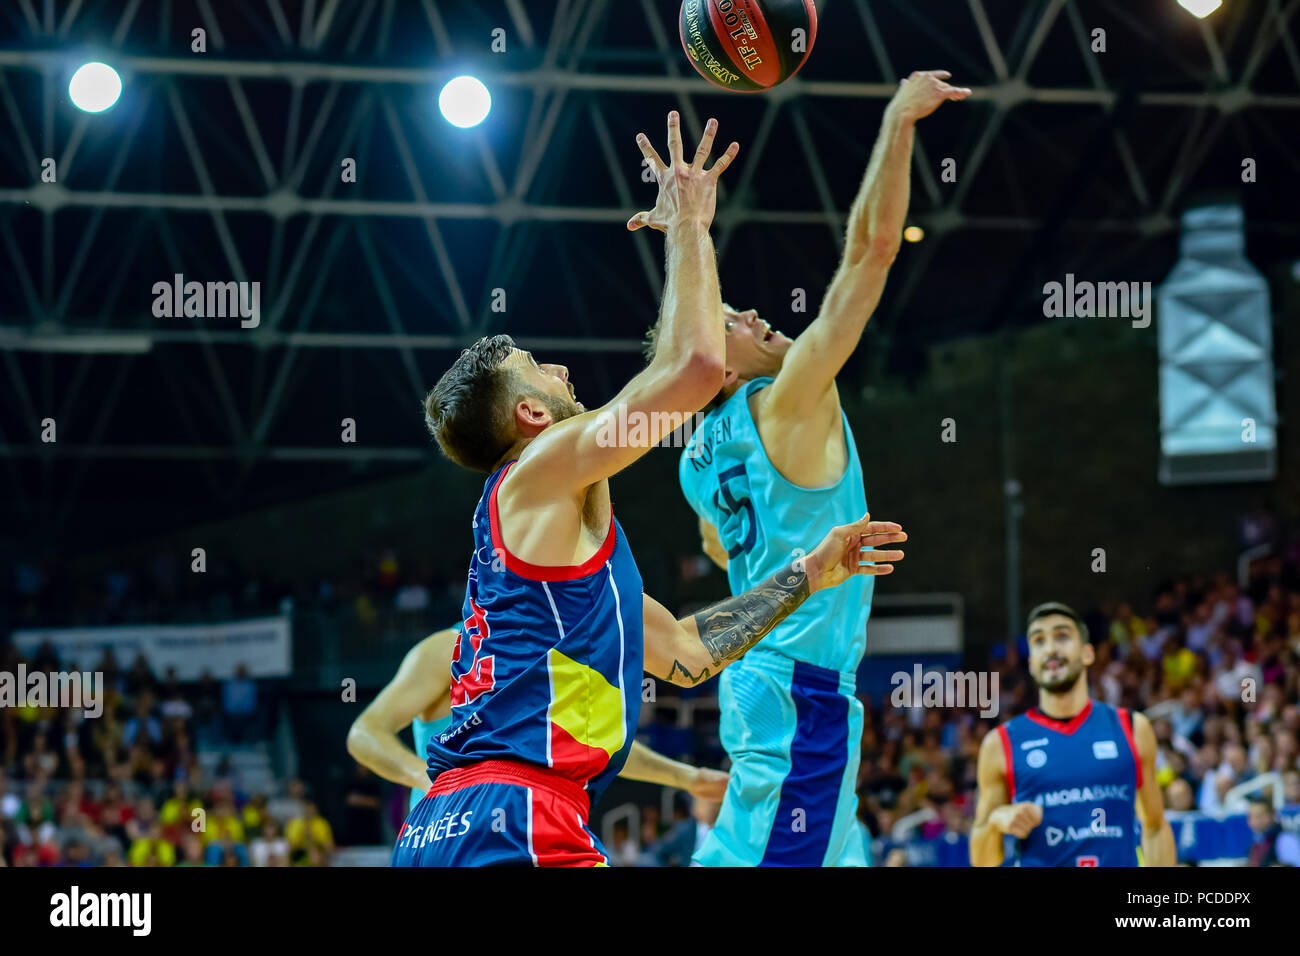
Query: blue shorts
[
  {"x": 500, "y": 813},
  {"x": 793, "y": 732}
]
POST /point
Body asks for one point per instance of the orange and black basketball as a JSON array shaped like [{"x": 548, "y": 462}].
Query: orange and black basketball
[{"x": 748, "y": 45}]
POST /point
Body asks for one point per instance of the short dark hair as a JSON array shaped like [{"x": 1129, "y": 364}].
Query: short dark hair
[
  {"x": 468, "y": 411},
  {"x": 1056, "y": 607}
]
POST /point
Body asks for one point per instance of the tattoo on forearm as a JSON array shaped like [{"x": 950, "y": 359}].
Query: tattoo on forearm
[
  {"x": 679, "y": 668},
  {"x": 731, "y": 627}
]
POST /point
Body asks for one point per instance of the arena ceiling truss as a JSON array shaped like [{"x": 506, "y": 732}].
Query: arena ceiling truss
[{"x": 225, "y": 165}]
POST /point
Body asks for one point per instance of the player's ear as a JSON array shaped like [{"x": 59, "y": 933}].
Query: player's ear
[
  {"x": 531, "y": 416},
  {"x": 1089, "y": 654},
  {"x": 729, "y": 377}
]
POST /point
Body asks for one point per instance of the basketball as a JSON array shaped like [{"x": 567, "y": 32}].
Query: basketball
[{"x": 748, "y": 45}]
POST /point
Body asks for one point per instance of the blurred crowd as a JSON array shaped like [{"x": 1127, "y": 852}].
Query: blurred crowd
[
  {"x": 1214, "y": 665},
  {"x": 129, "y": 788},
  {"x": 163, "y": 589}
]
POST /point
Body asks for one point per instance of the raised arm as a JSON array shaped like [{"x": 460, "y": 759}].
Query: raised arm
[
  {"x": 691, "y": 650},
  {"x": 687, "y": 368},
  {"x": 421, "y": 684},
  {"x": 871, "y": 242}
]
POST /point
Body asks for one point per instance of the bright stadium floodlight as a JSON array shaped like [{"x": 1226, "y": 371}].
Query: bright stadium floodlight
[
  {"x": 94, "y": 87},
  {"x": 465, "y": 101},
  {"x": 1200, "y": 8}
]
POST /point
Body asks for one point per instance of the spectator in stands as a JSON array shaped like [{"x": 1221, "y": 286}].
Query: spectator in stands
[
  {"x": 151, "y": 849},
  {"x": 254, "y": 814},
  {"x": 270, "y": 848},
  {"x": 1179, "y": 796},
  {"x": 177, "y": 812},
  {"x": 362, "y": 825},
  {"x": 1291, "y": 787},
  {"x": 143, "y": 728},
  {"x": 675, "y": 847},
  {"x": 623, "y": 849},
  {"x": 1270, "y": 845},
  {"x": 114, "y": 812},
  {"x": 292, "y": 804},
  {"x": 310, "y": 837},
  {"x": 239, "y": 704},
  {"x": 192, "y": 851},
  {"x": 10, "y": 802}
]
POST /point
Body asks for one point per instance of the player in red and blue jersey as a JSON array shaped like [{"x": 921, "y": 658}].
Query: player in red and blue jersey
[
  {"x": 557, "y": 632},
  {"x": 1065, "y": 781}
]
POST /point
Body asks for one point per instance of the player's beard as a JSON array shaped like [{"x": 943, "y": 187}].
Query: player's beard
[
  {"x": 560, "y": 408},
  {"x": 1065, "y": 680}
]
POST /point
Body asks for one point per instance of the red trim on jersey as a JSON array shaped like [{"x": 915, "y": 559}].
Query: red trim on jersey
[
  {"x": 1126, "y": 722},
  {"x": 545, "y": 572},
  {"x": 1060, "y": 726},
  {"x": 1009, "y": 760},
  {"x": 517, "y": 773}
]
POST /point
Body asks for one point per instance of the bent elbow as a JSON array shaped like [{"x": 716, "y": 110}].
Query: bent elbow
[
  {"x": 354, "y": 740},
  {"x": 881, "y": 250},
  {"x": 700, "y": 377}
]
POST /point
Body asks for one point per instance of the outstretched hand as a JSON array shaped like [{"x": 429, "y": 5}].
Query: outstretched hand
[
  {"x": 851, "y": 549},
  {"x": 923, "y": 92},
  {"x": 687, "y": 191}
]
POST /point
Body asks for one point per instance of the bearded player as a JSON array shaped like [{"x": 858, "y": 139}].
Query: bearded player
[
  {"x": 419, "y": 695},
  {"x": 774, "y": 461},
  {"x": 1064, "y": 779},
  {"x": 548, "y": 668}
]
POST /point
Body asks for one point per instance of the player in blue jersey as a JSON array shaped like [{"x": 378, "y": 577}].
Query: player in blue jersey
[
  {"x": 1063, "y": 782},
  {"x": 774, "y": 461},
  {"x": 420, "y": 695},
  {"x": 547, "y": 672}
]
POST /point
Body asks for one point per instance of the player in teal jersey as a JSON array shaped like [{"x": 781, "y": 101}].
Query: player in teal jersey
[
  {"x": 420, "y": 695},
  {"x": 775, "y": 461}
]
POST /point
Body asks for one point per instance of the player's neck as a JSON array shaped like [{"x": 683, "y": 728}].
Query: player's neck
[
  {"x": 512, "y": 453},
  {"x": 1064, "y": 706}
]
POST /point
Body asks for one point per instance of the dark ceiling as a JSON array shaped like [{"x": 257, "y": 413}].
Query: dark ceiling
[{"x": 225, "y": 165}]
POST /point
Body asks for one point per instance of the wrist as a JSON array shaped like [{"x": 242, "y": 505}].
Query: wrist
[
  {"x": 688, "y": 226},
  {"x": 808, "y": 565},
  {"x": 899, "y": 115}
]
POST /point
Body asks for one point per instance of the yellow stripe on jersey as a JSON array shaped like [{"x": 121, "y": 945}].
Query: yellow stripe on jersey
[{"x": 585, "y": 704}]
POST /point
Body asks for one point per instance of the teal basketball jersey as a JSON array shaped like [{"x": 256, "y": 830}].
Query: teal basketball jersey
[
  {"x": 423, "y": 730},
  {"x": 765, "y": 521}
]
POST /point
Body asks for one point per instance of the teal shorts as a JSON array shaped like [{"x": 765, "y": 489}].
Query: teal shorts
[{"x": 793, "y": 731}]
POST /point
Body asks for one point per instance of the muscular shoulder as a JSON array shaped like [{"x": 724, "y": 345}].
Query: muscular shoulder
[
  {"x": 808, "y": 447},
  {"x": 1144, "y": 735},
  {"x": 991, "y": 748}
]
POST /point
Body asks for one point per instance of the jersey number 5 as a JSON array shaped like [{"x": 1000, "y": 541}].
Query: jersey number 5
[
  {"x": 732, "y": 506},
  {"x": 478, "y": 677}
]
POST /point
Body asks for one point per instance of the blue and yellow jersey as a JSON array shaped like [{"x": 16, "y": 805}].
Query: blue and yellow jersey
[
  {"x": 548, "y": 665},
  {"x": 765, "y": 521}
]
